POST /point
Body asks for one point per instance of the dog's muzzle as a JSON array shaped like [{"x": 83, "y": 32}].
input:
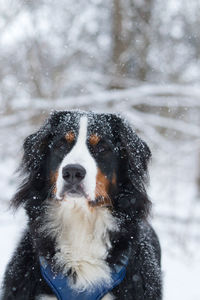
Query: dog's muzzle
[{"x": 73, "y": 175}]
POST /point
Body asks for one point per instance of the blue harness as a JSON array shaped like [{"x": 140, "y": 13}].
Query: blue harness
[{"x": 60, "y": 283}]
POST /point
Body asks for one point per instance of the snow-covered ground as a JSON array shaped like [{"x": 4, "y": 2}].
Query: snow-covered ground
[{"x": 173, "y": 171}]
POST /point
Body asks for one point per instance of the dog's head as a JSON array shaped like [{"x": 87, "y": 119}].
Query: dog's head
[{"x": 89, "y": 157}]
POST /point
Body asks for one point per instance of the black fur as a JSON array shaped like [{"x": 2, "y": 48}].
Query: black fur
[{"x": 128, "y": 156}]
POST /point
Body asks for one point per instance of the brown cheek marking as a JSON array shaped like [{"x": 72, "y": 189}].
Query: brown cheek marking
[
  {"x": 70, "y": 136},
  {"x": 94, "y": 139},
  {"x": 101, "y": 193},
  {"x": 54, "y": 177}
]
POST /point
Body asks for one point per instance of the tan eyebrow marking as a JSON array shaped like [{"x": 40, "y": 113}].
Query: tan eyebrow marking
[
  {"x": 94, "y": 139},
  {"x": 70, "y": 136}
]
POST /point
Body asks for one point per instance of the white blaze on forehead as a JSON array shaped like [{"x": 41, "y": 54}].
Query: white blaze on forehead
[
  {"x": 80, "y": 154},
  {"x": 82, "y": 136}
]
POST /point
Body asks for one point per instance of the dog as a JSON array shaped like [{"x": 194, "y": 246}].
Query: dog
[{"x": 83, "y": 189}]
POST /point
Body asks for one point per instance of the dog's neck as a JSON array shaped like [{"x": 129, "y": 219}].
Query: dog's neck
[{"x": 82, "y": 239}]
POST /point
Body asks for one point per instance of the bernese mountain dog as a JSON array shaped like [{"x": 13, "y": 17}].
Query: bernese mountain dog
[{"x": 83, "y": 189}]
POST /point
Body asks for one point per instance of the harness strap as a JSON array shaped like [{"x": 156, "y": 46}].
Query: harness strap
[{"x": 60, "y": 283}]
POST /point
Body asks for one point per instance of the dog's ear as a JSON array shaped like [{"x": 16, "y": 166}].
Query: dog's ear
[
  {"x": 32, "y": 168},
  {"x": 37, "y": 145},
  {"x": 35, "y": 148},
  {"x": 134, "y": 155},
  {"x": 131, "y": 147}
]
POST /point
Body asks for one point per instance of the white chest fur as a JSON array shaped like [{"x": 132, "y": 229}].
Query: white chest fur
[{"x": 82, "y": 240}]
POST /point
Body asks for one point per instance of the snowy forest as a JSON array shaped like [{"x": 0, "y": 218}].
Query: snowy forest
[{"x": 139, "y": 58}]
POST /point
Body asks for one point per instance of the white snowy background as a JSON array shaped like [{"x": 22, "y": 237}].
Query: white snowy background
[{"x": 138, "y": 58}]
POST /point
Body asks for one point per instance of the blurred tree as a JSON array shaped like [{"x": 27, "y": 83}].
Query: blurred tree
[
  {"x": 49, "y": 50},
  {"x": 131, "y": 39}
]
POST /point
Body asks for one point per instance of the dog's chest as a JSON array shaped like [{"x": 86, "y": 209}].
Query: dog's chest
[
  {"x": 84, "y": 236},
  {"x": 82, "y": 241}
]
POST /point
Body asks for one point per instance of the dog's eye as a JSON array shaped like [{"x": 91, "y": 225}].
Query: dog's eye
[
  {"x": 60, "y": 148},
  {"x": 102, "y": 148}
]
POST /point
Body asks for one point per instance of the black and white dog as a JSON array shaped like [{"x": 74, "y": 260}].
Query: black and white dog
[{"x": 84, "y": 194}]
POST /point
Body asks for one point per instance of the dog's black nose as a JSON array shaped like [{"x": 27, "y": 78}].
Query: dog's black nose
[{"x": 73, "y": 173}]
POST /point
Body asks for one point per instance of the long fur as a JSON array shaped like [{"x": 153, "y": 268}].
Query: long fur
[{"x": 54, "y": 228}]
